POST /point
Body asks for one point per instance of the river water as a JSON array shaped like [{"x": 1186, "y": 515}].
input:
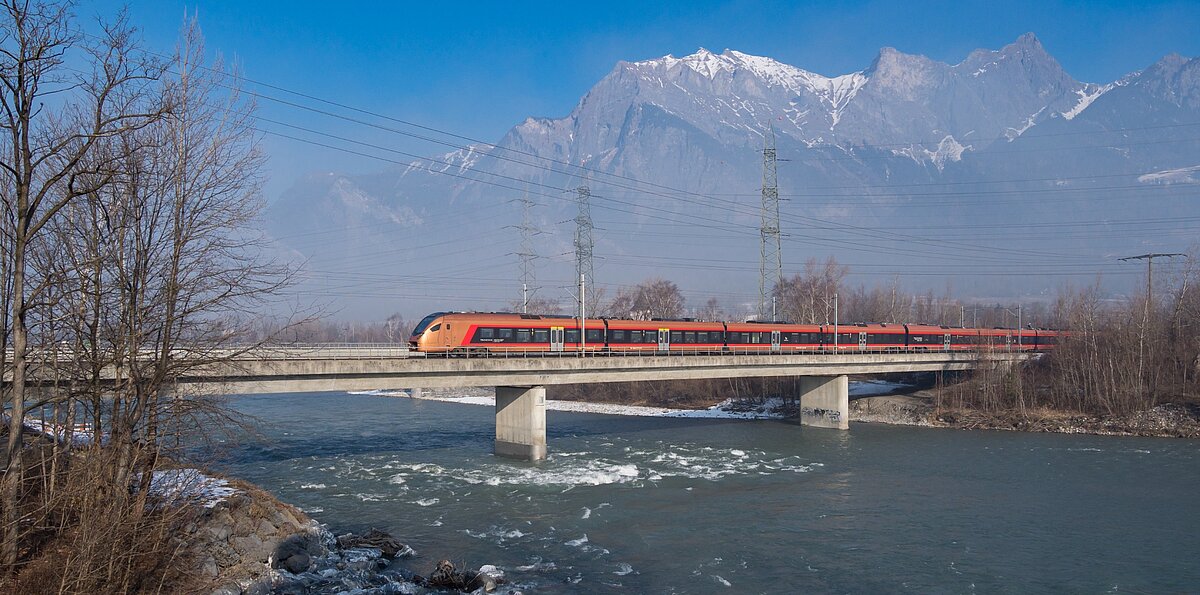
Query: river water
[{"x": 631, "y": 505}]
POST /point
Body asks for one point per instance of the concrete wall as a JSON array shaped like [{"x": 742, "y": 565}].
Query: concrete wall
[
  {"x": 521, "y": 422},
  {"x": 825, "y": 402}
]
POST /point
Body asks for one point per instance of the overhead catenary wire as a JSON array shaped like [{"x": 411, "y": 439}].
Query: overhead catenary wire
[{"x": 900, "y": 238}]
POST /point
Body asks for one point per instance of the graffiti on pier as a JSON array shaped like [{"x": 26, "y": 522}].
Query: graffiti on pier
[{"x": 832, "y": 415}]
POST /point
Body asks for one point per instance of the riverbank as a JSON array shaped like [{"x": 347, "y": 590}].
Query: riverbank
[
  {"x": 1169, "y": 420},
  {"x": 245, "y": 541},
  {"x": 877, "y": 401}
]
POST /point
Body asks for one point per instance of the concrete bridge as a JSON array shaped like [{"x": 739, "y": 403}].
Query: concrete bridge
[{"x": 520, "y": 381}]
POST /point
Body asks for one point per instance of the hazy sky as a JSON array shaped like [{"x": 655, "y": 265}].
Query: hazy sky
[{"x": 478, "y": 68}]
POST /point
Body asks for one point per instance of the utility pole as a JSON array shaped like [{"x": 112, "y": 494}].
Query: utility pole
[
  {"x": 1149, "y": 258},
  {"x": 835, "y": 322},
  {"x": 527, "y": 254},
  {"x": 582, "y": 314},
  {"x": 770, "y": 255},
  {"x": 583, "y": 241}
]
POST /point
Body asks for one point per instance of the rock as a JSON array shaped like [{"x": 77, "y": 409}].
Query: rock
[
  {"x": 219, "y": 532},
  {"x": 298, "y": 562},
  {"x": 481, "y": 581},
  {"x": 265, "y": 528},
  {"x": 389, "y": 546},
  {"x": 445, "y": 576},
  {"x": 210, "y": 568},
  {"x": 259, "y": 588},
  {"x": 251, "y": 548},
  {"x": 295, "y": 553}
]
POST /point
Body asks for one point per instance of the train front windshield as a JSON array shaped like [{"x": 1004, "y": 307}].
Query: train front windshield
[{"x": 425, "y": 322}]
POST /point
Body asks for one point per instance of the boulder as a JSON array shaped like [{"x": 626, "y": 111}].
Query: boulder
[{"x": 295, "y": 553}]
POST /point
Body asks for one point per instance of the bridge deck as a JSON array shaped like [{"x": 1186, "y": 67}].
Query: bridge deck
[{"x": 294, "y": 372}]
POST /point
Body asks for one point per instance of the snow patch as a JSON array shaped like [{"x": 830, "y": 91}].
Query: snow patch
[
  {"x": 1183, "y": 175},
  {"x": 1088, "y": 94},
  {"x": 189, "y": 486},
  {"x": 1013, "y": 133}
]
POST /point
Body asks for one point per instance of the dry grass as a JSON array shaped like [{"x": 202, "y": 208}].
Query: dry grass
[{"x": 94, "y": 537}]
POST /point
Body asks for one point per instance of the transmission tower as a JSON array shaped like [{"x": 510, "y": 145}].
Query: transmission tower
[
  {"x": 771, "y": 257},
  {"x": 583, "y": 240},
  {"x": 527, "y": 254}
]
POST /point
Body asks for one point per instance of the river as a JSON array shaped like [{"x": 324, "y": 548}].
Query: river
[{"x": 633, "y": 504}]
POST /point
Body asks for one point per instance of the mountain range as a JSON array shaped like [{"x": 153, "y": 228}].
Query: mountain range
[{"x": 998, "y": 176}]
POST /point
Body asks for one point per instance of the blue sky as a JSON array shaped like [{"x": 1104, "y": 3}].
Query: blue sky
[{"x": 478, "y": 68}]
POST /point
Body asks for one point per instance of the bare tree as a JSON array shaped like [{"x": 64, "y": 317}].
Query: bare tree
[
  {"x": 712, "y": 310},
  {"x": 41, "y": 174},
  {"x": 809, "y": 297},
  {"x": 653, "y": 298}
]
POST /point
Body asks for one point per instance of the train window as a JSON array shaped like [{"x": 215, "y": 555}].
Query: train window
[
  {"x": 572, "y": 335},
  {"x": 435, "y": 328},
  {"x": 594, "y": 335},
  {"x": 676, "y": 336},
  {"x": 756, "y": 337},
  {"x": 487, "y": 333},
  {"x": 541, "y": 335},
  {"x": 635, "y": 336},
  {"x": 689, "y": 337},
  {"x": 524, "y": 335},
  {"x": 617, "y": 336},
  {"x": 505, "y": 334}
]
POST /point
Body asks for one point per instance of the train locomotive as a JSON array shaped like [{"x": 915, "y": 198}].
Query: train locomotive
[{"x": 529, "y": 334}]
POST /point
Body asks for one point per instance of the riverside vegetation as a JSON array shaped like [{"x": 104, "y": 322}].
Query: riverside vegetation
[{"x": 129, "y": 187}]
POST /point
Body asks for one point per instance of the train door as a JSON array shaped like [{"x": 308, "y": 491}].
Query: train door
[
  {"x": 557, "y": 333},
  {"x": 862, "y": 340},
  {"x": 664, "y": 339},
  {"x": 946, "y": 342},
  {"x": 775, "y": 342},
  {"x": 1008, "y": 342}
]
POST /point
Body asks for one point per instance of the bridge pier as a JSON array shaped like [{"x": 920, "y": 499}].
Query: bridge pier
[
  {"x": 825, "y": 402},
  {"x": 521, "y": 422}
]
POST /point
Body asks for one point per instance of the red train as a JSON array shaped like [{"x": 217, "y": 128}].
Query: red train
[{"x": 482, "y": 332}]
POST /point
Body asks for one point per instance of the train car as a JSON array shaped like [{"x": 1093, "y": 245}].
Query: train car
[
  {"x": 484, "y": 332},
  {"x": 665, "y": 335},
  {"x": 481, "y": 332},
  {"x": 1046, "y": 340},
  {"x": 924, "y": 337},
  {"x": 768, "y": 337},
  {"x": 862, "y": 337},
  {"x": 1024, "y": 340}
]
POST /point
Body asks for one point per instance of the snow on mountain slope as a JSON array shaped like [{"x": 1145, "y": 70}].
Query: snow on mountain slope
[{"x": 667, "y": 139}]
